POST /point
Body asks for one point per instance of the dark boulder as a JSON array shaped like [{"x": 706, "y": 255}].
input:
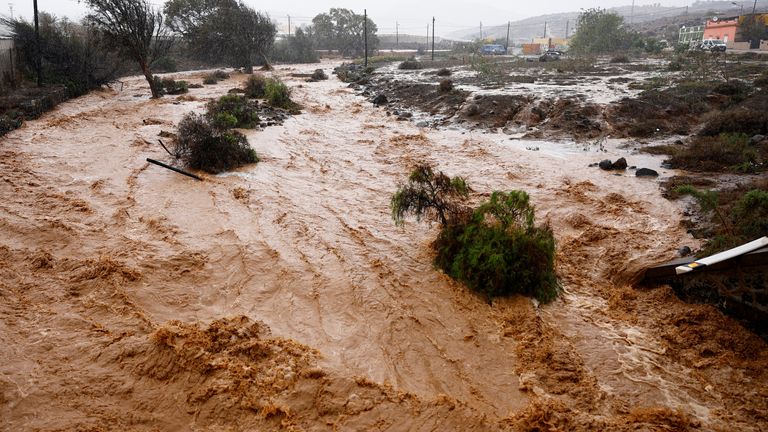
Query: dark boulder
[
  {"x": 646, "y": 172},
  {"x": 620, "y": 164},
  {"x": 379, "y": 100},
  {"x": 605, "y": 164},
  {"x": 757, "y": 139}
]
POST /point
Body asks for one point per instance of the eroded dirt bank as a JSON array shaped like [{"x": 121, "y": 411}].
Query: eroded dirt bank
[{"x": 283, "y": 295}]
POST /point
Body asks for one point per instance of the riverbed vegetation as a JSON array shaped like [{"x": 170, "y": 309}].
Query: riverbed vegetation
[
  {"x": 204, "y": 145},
  {"x": 496, "y": 249},
  {"x": 736, "y": 216}
]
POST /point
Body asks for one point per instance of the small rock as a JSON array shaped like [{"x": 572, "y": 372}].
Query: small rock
[
  {"x": 379, "y": 100},
  {"x": 646, "y": 172},
  {"x": 422, "y": 124},
  {"x": 684, "y": 251},
  {"x": 605, "y": 164},
  {"x": 757, "y": 139},
  {"x": 620, "y": 164}
]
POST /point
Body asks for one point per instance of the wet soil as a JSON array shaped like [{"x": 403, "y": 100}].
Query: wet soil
[
  {"x": 573, "y": 98},
  {"x": 282, "y": 296}
]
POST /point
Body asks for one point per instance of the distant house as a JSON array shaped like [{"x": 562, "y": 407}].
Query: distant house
[
  {"x": 552, "y": 42},
  {"x": 691, "y": 35},
  {"x": 724, "y": 29}
]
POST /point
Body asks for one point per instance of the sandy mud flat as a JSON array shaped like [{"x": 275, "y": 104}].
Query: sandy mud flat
[{"x": 282, "y": 295}]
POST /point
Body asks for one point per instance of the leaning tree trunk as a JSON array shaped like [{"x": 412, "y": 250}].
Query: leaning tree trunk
[
  {"x": 148, "y": 75},
  {"x": 248, "y": 66}
]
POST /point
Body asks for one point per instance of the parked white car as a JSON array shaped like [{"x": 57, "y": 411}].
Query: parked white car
[{"x": 712, "y": 45}]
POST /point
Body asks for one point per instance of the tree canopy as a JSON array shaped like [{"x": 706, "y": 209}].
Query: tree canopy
[
  {"x": 225, "y": 31},
  {"x": 72, "y": 54},
  {"x": 753, "y": 29},
  {"x": 135, "y": 28},
  {"x": 342, "y": 30},
  {"x": 599, "y": 31}
]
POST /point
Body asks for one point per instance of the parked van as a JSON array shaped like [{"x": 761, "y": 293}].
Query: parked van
[
  {"x": 712, "y": 45},
  {"x": 493, "y": 50}
]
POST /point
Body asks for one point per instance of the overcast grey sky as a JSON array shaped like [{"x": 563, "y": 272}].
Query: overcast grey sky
[{"x": 412, "y": 15}]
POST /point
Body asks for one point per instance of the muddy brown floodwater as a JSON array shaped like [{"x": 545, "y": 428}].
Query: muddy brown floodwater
[{"x": 283, "y": 296}]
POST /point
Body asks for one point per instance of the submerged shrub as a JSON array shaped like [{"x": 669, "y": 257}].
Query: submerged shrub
[
  {"x": 319, "y": 75},
  {"x": 496, "y": 249},
  {"x": 220, "y": 75},
  {"x": 443, "y": 72},
  {"x": 410, "y": 64},
  {"x": 446, "y": 85},
  {"x": 232, "y": 111},
  {"x": 621, "y": 58},
  {"x": 256, "y": 86},
  {"x": 278, "y": 95},
  {"x": 499, "y": 252},
  {"x": 202, "y": 146},
  {"x": 429, "y": 194},
  {"x": 210, "y": 79},
  {"x": 169, "y": 86}
]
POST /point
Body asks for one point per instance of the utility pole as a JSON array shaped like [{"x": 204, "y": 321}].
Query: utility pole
[
  {"x": 567, "y": 25},
  {"x": 545, "y": 29},
  {"x": 365, "y": 32},
  {"x": 38, "y": 61},
  {"x": 397, "y": 34},
  {"x": 433, "y": 38},
  {"x": 506, "y": 47},
  {"x": 754, "y": 5},
  {"x": 426, "y": 45},
  {"x": 289, "y": 25},
  {"x": 481, "y": 30},
  {"x": 632, "y": 13},
  {"x": 10, "y": 6}
]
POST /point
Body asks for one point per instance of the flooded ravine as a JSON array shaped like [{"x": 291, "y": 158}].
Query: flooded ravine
[{"x": 101, "y": 253}]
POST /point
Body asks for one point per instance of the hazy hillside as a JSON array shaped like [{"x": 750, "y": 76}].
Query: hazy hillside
[{"x": 558, "y": 24}]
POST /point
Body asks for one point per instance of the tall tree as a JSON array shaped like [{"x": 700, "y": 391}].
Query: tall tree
[
  {"x": 222, "y": 30},
  {"x": 599, "y": 31},
  {"x": 342, "y": 30},
  {"x": 136, "y": 29},
  {"x": 753, "y": 29}
]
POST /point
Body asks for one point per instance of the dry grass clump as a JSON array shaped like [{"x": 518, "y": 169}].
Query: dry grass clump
[
  {"x": 446, "y": 85},
  {"x": 737, "y": 120}
]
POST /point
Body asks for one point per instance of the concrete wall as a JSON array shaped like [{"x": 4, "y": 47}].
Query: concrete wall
[{"x": 738, "y": 45}]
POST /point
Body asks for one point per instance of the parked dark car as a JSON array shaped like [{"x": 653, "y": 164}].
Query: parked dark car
[{"x": 551, "y": 55}]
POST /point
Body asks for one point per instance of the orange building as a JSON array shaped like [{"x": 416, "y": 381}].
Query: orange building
[{"x": 724, "y": 29}]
